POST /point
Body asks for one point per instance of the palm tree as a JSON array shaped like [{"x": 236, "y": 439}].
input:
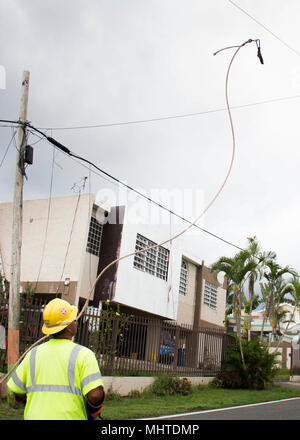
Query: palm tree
[
  {"x": 253, "y": 249},
  {"x": 235, "y": 270},
  {"x": 258, "y": 259},
  {"x": 294, "y": 300},
  {"x": 229, "y": 304},
  {"x": 273, "y": 274},
  {"x": 248, "y": 303},
  {"x": 282, "y": 288},
  {"x": 277, "y": 316}
]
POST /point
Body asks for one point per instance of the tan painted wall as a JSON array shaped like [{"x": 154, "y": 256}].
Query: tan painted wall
[
  {"x": 186, "y": 303},
  {"x": 186, "y": 306},
  {"x": 215, "y": 316}
]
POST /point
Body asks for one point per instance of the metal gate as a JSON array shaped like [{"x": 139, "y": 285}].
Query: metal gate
[{"x": 295, "y": 360}]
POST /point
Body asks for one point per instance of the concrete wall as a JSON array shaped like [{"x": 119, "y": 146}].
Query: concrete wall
[
  {"x": 141, "y": 290},
  {"x": 124, "y": 385},
  {"x": 87, "y": 276},
  {"x": 208, "y": 314},
  {"x": 62, "y": 212},
  {"x": 215, "y": 316},
  {"x": 186, "y": 303},
  {"x": 63, "y": 257}
]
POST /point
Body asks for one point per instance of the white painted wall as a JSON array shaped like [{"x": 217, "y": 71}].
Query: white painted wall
[
  {"x": 141, "y": 290},
  {"x": 62, "y": 213}
]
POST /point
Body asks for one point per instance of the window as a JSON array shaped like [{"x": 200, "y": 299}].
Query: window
[
  {"x": 94, "y": 237},
  {"x": 210, "y": 295},
  {"x": 183, "y": 279},
  {"x": 154, "y": 261}
]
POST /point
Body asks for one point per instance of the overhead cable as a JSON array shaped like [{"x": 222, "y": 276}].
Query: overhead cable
[
  {"x": 158, "y": 119},
  {"x": 170, "y": 239},
  {"x": 263, "y": 26}
]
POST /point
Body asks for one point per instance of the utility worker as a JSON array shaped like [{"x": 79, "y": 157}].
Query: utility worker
[{"x": 59, "y": 380}]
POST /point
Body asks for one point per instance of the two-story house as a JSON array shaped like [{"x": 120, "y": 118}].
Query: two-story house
[{"x": 68, "y": 241}]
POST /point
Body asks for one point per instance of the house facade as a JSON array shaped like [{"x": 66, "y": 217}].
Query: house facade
[
  {"x": 54, "y": 254},
  {"x": 68, "y": 241},
  {"x": 287, "y": 334},
  {"x": 288, "y": 327}
]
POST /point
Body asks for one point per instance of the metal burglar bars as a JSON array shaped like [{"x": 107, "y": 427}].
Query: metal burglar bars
[
  {"x": 295, "y": 360},
  {"x": 128, "y": 344},
  {"x": 154, "y": 261}
]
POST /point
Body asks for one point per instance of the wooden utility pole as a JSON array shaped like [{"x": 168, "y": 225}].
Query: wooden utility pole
[{"x": 14, "y": 290}]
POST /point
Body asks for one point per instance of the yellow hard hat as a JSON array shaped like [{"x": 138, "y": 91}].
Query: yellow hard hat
[{"x": 57, "y": 315}]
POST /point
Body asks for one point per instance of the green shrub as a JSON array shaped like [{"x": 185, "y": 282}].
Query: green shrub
[
  {"x": 259, "y": 370},
  {"x": 227, "y": 379},
  {"x": 134, "y": 393},
  {"x": 113, "y": 395},
  {"x": 169, "y": 385}
]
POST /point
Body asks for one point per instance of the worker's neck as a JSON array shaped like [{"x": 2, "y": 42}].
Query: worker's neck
[{"x": 64, "y": 337}]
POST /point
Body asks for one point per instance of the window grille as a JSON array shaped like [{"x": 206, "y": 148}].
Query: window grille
[
  {"x": 210, "y": 295},
  {"x": 94, "y": 237},
  {"x": 154, "y": 261},
  {"x": 183, "y": 278}
]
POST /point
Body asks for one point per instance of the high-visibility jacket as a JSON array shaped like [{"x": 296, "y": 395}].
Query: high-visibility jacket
[{"x": 56, "y": 376}]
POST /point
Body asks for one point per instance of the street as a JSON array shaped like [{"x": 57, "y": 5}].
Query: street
[{"x": 288, "y": 409}]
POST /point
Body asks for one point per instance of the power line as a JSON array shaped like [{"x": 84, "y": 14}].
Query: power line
[
  {"x": 69, "y": 242},
  {"x": 8, "y": 147},
  {"x": 114, "y": 179},
  {"x": 48, "y": 218},
  {"x": 263, "y": 26},
  {"x": 165, "y": 118},
  {"x": 157, "y": 119},
  {"x": 130, "y": 188}
]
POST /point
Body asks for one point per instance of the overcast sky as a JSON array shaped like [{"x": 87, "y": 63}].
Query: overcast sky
[{"x": 100, "y": 62}]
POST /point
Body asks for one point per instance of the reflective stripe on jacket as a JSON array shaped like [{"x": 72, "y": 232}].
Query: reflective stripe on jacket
[{"x": 56, "y": 376}]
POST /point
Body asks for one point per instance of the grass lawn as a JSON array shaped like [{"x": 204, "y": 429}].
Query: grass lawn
[{"x": 148, "y": 405}]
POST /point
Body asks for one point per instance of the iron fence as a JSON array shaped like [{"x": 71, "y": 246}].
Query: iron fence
[
  {"x": 127, "y": 344},
  {"x": 130, "y": 345},
  {"x": 295, "y": 361},
  {"x": 30, "y": 325}
]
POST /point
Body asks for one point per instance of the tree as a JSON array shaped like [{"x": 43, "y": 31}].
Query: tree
[
  {"x": 274, "y": 275},
  {"x": 294, "y": 300},
  {"x": 258, "y": 260},
  {"x": 248, "y": 306},
  {"x": 235, "y": 270},
  {"x": 257, "y": 371}
]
